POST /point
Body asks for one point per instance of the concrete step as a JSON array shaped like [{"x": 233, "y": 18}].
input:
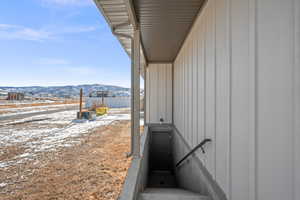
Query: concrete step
[
  {"x": 161, "y": 179},
  {"x": 170, "y": 194}
]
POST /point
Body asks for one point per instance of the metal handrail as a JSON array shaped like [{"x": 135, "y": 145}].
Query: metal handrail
[{"x": 193, "y": 150}]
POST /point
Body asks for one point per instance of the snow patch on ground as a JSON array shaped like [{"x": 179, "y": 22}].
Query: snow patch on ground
[
  {"x": 58, "y": 130},
  {"x": 3, "y": 185}
]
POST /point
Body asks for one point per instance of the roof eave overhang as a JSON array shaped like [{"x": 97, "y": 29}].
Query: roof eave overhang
[{"x": 120, "y": 16}]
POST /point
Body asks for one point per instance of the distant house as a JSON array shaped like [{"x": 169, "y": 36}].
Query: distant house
[
  {"x": 15, "y": 96},
  {"x": 3, "y": 93},
  {"x": 100, "y": 94}
]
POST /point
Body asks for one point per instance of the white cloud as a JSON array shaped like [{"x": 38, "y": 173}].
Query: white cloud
[
  {"x": 11, "y": 31},
  {"x": 67, "y": 2}
]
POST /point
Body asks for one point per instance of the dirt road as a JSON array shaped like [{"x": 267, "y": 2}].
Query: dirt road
[
  {"x": 31, "y": 114},
  {"x": 94, "y": 169}
]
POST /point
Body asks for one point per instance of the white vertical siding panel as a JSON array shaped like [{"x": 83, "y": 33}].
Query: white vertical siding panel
[
  {"x": 247, "y": 95},
  {"x": 275, "y": 75},
  {"x": 222, "y": 103},
  {"x": 195, "y": 96},
  {"x": 204, "y": 17},
  {"x": 199, "y": 79},
  {"x": 188, "y": 92},
  {"x": 189, "y": 96},
  {"x": 229, "y": 77},
  {"x": 148, "y": 95},
  {"x": 190, "y": 89},
  {"x": 198, "y": 115},
  {"x": 159, "y": 91},
  {"x": 210, "y": 86},
  {"x": 186, "y": 85},
  {"x": 240, "y": 99},
  {"x": 153, "y": 93},
  {"x": 192, "y": 92},
  {"x": 177, "y": 108},
  {"x": 182, "y": 95},
  {"x": 159, "y": 87},
  {"x": 177, "y": 94},
  {"x": 163, "y": 91},
  {"x": 175, "y": 88},
  {"x": 205, "y": 38},
  {"x": 252, "y": 100},
  {"x": 180, "y": 98},
  {"x": 200, "y": 84},
  {"x": 169, "y": 101},
  {"x": 185, "y": 79},
  {"x": 177, "y": 101},
  {"x": 297, "y": 100}
]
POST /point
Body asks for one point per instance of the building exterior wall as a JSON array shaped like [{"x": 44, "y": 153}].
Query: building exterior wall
[
  {"x": 15, "y": 96},
  {"x": 111, "y": 102},
  {"x": 159, "y": 92},
  {"x": 236, "y": 81}
]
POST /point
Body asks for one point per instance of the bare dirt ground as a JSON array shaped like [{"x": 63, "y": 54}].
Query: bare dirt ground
[
  {"x": 7, "y": 107},
  {"x": 94, "y": 169},
  {"x": 16, "y": 105}
]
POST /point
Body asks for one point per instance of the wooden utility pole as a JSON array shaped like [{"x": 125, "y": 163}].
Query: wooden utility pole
[
  {"x": 102, "y": 104},
  {"x": 80, "y": 104}
]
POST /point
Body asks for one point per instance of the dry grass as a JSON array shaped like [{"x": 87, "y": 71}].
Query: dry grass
[
  {"x": 93, "y": 170},
  {"x": 10, "y": 152},
  {"x": 38, "y": 104}
]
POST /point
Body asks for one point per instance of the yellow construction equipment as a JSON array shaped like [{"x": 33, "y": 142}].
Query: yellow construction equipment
[{"x": 102, "y": 110}]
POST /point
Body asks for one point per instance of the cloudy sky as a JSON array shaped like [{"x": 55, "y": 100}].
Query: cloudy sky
[{"x": 58, "y": 42}]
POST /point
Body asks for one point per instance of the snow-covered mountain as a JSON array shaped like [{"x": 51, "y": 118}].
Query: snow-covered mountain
[{"x": 67, "y": 91}]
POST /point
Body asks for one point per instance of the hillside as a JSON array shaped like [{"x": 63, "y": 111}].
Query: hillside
[{"x": 66, "y": 91}]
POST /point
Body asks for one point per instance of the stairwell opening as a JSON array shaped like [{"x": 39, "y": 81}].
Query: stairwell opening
[
  {"x": 159, "y": 176},
  {"x": 161, "y": 172}
]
